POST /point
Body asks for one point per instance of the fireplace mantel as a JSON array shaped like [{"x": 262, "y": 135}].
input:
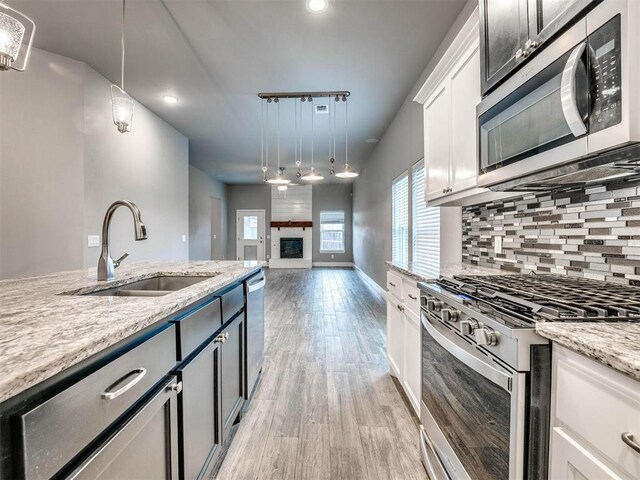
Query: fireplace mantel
[{"x": 291, "y": 224}]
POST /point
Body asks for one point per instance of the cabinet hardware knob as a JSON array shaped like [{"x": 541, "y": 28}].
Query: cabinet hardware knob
[
  {"x": 444, "y": 190},
  {"x": 219, "y": 339},
  {"x": 392, "y": 284},
  {"x": 519, "y": 54},
  {"x": 627, "y": 438},
  {"x": 531, "y": 45},
  {"x": 175, "y": 387}
]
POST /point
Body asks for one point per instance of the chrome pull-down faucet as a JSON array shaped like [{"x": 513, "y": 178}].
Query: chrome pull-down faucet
[{"x": 106, "y": 265}]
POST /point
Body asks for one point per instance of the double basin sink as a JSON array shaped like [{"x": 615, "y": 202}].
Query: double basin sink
[{"x": 155, "y": 286}]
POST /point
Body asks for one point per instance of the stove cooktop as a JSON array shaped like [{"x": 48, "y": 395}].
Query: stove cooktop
[{"x": 548, "y": 298}]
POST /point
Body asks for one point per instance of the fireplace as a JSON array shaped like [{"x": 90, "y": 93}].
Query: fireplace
[{"x": 291, "y": 248}]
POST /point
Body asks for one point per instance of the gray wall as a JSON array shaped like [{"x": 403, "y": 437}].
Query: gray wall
[
  {"x": 201, "y": 189},
  {"x": 62, "y": 162},
  {"x": 247, "y": 197},
  {"x": 400, "y": 147},
  {"x": 41, "y": 167},
  {"x": 149, "y": 166},
  {"x": 333, "y": 196},
  {"x": 329, "y": 196}
]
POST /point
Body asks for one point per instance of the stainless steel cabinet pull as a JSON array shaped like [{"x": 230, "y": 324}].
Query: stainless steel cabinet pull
[
  {"x": 175, "y": 387},
  {"x": 139, "y": 374},
  {"x": 627, "y": 438},
  {"x": 412, "y": 297},
  {"x": 392, "y": 284}
]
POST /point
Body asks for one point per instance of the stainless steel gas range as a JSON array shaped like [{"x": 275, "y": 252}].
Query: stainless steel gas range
[{"x": 486, "y": 373}]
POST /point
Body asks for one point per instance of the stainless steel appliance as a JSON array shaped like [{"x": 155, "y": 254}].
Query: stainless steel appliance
[
  {"x": 574, "y": 107},
  {"x": 254, "y": 288},
  {"x": 486, "y": 373}
]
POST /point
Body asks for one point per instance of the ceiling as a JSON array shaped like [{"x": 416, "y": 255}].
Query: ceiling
[{"x": 217, "y": 55}]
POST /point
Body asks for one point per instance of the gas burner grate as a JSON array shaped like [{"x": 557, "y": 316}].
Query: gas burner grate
[{"x": 552, "y": 298}]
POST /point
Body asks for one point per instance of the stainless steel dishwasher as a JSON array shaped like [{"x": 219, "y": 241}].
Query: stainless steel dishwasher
[{"x": 254, "y": 288}]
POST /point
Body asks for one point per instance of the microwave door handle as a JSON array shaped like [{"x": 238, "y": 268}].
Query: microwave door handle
[{"x": 568, "y": 92}]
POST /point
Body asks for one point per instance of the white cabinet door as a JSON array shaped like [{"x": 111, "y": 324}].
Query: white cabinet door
[
  {"x": 437, "y": 131},
  {"x": 465, "y": 96},
  {"x": 571, "y": 461},
  {"x": 395, "y": 337},
  {"x": 412, "y": 380}
]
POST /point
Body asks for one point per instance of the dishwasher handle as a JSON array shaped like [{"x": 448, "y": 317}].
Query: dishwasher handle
[{"x": 257, "y": 285}]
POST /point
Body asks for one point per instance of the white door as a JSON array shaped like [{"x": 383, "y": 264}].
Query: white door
[
  {"x": 250, "y": 228},
  {"x": 437, "y": 129},
  {"x": 395, "y": 337}
]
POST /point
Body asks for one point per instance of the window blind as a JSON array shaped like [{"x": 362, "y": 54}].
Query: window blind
[
  {"x": 400, "y": 220},
  {"x": 332, "y": 231},
  {"x": 425, "y": 242}
]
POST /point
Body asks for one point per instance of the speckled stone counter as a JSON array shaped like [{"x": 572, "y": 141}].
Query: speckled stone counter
[
  {"x": 43, "y": 331},
  {"x": 449, "y": 271},
  {"x": 616, "y": 345}
]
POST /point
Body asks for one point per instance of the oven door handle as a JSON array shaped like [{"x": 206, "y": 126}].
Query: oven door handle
[
  {"x": 568, "y": 93},
  {"x": 470, "y": 358}
]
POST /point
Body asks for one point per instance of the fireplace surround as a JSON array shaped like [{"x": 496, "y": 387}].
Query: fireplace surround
[{"x": 291, "y": 247}]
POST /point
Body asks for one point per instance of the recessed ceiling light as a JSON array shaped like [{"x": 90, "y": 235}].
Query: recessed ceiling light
[
  {"x": 170, "y": 99},
  {"x": 317, "y": 6},
  {"x": 372, "y": 140}
]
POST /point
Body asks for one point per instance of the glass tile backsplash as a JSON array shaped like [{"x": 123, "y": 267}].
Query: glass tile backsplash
[{"x": 591, "y": 232}]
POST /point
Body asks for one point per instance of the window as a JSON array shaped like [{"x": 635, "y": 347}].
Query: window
[
  {"x": 400, "y": 220},
  {"x": 250, "y": 227},
  {"x": 332, "y": 231},
  {"x": 425, "y": 244}
]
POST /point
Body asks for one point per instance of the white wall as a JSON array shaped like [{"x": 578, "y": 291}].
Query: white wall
[
  {"x": 62, "y": 162},
  {"x": 400, "y": 147}
]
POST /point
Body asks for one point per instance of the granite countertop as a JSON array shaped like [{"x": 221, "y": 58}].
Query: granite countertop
[
  {"x": 616, "y": 345},
  {"x": 43, "y": 331},
  {"x": 419, "y": 275}
]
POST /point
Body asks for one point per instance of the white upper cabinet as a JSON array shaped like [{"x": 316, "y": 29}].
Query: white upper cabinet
[{"x": 450, "y": 96}]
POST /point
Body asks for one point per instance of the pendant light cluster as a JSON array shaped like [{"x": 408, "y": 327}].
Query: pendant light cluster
[
  {"x": 13, "y": 27},
  {"x": 121, "y": 103},
  {"x": 311, "y": 174}
]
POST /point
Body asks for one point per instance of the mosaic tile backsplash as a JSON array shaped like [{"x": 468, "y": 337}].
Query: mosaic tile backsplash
[{"x": 591, "y": 232}]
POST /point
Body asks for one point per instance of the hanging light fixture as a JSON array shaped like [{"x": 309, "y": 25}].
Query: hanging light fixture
[
  {"x": 121, "y": 102},
  {"x": 298, "y": 138},
  {"x": 332, "y": 139},
  {"x": 347, "y": 172},
  {"x": 12, "y": 32},
  {"x": 279, "y": 179},
  {"x": 312, "y": 175}
]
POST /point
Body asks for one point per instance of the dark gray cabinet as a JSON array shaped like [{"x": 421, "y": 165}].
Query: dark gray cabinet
[
  {"x": 232, "y": 367},
  {"x": 200, "y": 411},
  {"x": 144, "y": 446},
  {"x": 511, "y": 31}
]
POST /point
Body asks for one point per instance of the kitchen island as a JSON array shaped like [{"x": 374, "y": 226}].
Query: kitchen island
[{"x": 75, "y": 362}]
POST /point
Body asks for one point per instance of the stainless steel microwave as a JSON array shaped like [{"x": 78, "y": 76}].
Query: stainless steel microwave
[{"x": 578, "y": 99}]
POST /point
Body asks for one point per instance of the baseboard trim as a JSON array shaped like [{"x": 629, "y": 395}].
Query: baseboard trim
[
  {"x": 333, "y": 264},
  {"x": 379, "y": 290}
]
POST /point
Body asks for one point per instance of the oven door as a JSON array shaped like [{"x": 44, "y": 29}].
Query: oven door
[{"x": 473, "y": 407}]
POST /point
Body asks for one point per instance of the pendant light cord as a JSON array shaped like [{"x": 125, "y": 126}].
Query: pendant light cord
[
  {"x": 279, "y": 138},
  {"x": 312, "y": 135},
  {"x": 267, "y": 138},
  {"x": 122, "y": 46},
  {"x": 346, "y": 133},
  {"x": 262, "y": 133}
]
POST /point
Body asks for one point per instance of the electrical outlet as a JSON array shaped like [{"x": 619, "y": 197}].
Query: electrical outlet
[
  {"x": 497, "y": 245},
  {"x": 332, "y": 256},
  {"x": 93, "y": 240}
]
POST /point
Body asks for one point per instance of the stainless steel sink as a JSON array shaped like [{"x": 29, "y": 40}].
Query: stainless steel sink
[{"x": 149, "y": 287}]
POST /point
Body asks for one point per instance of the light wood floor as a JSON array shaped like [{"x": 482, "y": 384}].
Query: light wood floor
[{"x": 326, "y": 407}]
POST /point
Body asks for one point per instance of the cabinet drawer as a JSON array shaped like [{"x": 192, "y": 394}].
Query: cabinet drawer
[
  {"x": 394, "y": 284},
  {"x": 198, "y": 326},
  {"x": 55, "y": 431},
  {"x": 411, "y": 297},
  {"x": 232, "y": 302},
  {"x": 599, "y": 405}
]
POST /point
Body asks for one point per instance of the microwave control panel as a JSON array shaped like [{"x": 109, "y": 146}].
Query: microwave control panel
[{"x": 606, "y": 89}]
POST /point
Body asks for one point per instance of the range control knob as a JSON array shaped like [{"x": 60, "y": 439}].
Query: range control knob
[
  {"x": 450, "y": 314},
  {"x": 434, "y": 305},
  {"x": 468, "y": 326},
  {"x": 486, "y": 336}
]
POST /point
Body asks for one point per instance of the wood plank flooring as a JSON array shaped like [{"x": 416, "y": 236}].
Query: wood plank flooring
[{"x": 326, "y": 407}]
